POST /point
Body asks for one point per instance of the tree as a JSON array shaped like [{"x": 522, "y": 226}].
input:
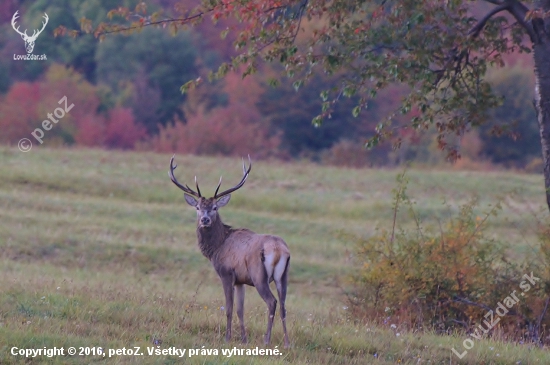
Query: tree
[
  {"x": 155, "y": 77},
  {"x": 509, "y": 138},
  {"x": 440, "y": 49},
  {"x": 291, "y": 113},
  {"x": 234, "y": 129}
]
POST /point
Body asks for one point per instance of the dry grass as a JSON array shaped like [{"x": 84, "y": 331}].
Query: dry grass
[{"x": 97, "y": 248}]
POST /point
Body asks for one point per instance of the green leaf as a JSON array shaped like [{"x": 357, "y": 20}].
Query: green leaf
[
  {"x": 349, "y": 91},
  {"x": 317, "y": 121},
  {"x": 373, "y": 142},
  {"x": 332, "y": 60}
]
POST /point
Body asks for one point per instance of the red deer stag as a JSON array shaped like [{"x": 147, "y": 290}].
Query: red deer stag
[{"x": 239, "y": 256}]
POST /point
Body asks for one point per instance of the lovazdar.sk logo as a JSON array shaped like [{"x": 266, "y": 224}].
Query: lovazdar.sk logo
[{"x": 29, "y": 40}]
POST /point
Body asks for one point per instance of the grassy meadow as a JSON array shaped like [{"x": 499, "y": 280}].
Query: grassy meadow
[{"x": 98, "y": 249}]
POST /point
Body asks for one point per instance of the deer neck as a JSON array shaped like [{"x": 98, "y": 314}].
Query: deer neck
[{"x": 213, "y": 237}]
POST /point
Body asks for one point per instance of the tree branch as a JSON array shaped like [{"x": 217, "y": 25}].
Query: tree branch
[
  {"x": 186, "y": 19},
  {"x": 496, "y": 2},
  {"x": 519, "y": 11},
  {"x": 474, "y": 32},
  {"x": 159, "y": 22},
  {"x": 468, "y": 302},
  {"x": 458, "y": 299},
  {"x": 515, "y": 8}
]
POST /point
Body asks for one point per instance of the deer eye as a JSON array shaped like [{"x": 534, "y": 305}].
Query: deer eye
[{"x": 215, "y": 208}]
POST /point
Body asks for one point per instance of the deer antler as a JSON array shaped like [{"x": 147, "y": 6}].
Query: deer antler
[
  {"x": 13, "y": 19},
  {"x": 185, "y": 188},
  {"x": 24, "y": 34},
  {"x": 43, "y": 23},
  {"x": 35, "y": 34},
  {"x": 238, "y": 186}
]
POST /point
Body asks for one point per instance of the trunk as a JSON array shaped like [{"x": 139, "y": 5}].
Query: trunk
[
  {"x": 541, "y": 54},
  {"x": 542, "y": 105}
]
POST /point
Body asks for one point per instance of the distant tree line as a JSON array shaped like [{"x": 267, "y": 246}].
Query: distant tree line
[{"x": 126, "y": 91}]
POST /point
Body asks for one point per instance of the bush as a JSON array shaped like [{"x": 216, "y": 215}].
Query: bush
[
  {"x": 346, "y": 153},
  {"x": 223, "y": 131},
  {"x": 448, "y": 278}
]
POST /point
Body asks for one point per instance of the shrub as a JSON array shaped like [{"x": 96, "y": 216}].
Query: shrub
[
  {"x": 18, "y": 112},
  {"x": 346, "y": 153},
  {"x": 223, "y": 131},
  {"x": 121, "y": 130},
  {"x": 447, "y": 278}
]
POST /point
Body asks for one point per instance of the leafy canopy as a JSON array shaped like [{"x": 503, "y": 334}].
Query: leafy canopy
[{"x": 439, "y": 49}]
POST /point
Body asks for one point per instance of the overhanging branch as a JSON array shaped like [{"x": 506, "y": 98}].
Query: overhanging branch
[
  {"x": 159, "y": 22},
  {"x": 519, "y": 11},
  {"x": 474, "y": 32},
  {"x": 453, "y": 66},
  {"x": 496, "y": 2},
  {"x": 515, "y": 8}
]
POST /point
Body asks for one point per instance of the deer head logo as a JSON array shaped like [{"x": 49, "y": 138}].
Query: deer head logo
[{"x": 29, "y": 40}]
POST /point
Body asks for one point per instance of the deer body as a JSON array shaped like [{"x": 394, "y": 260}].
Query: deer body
[
  {"x": 240, "y": 257},
  {"x": 244, "y": 252}
]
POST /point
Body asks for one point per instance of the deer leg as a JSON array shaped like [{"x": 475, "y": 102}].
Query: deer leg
[
  {"x": 263, "y": 289},
  {"x": 227, "y": 283},
  {"x": 239, "y": 289},
  {"x": 281, "y": 284}
]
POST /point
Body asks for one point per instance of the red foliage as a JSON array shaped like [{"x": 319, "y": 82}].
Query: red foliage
[
  {"x": 224, "y": 131},
  {"x": 27, "y": 104},
  {"x": 91, "y": 131},
  {"x": 18, "y": 111},
  {"x": 237, "y": 129},
  {"x": 121, "y": 130},
  {"x": 118, "y": 131}
]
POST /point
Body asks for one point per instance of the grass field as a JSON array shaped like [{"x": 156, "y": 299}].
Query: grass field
[{"x": 98, "y": 249}]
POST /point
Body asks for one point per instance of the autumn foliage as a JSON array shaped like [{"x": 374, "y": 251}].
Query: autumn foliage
[
  {"x": 18, "y": 111},
  {"x": 235, "y": 129},
  {"x": 448, "y": 278},
  {"x": 224, "y": 131},
  {"x": 26, "y": 105},
  {"x": 126, "y": 89}
]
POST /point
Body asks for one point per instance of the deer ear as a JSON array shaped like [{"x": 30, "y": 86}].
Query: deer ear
[
  {"x": 223, "y": 200},
  {"x": 190, "y": 200}
]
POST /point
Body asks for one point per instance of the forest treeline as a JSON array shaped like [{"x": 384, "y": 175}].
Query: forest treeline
[{"x": 126, "y": 92}]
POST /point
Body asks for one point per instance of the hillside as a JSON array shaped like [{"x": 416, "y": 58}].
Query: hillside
[{"x": 97, "y": 249}]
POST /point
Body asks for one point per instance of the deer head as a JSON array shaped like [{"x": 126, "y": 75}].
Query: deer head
[
  {"x": 207, "y": 208},
  {"x": 29, "y": 40}
]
